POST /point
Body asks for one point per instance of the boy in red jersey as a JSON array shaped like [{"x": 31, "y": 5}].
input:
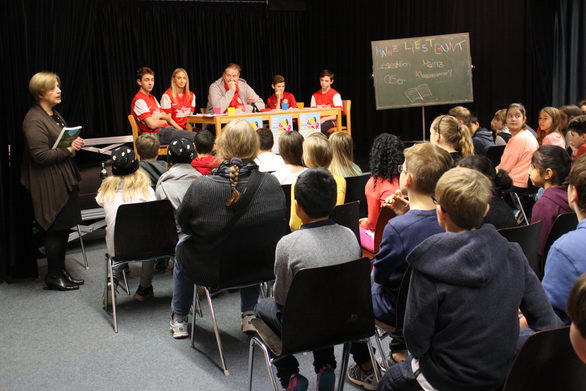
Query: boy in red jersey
[
  {"x": 327, "y": 97},
  {"x": 280, "y": 96},
  {"x": 148, "y": 113}
]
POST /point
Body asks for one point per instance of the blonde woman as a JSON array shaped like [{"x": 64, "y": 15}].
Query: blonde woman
[
  {"x": 178, "y": 100},
  {"x": 51, "y": 176},
  {"x": 127, "y": 185},
  {"x": 450, "y": 135},
  {"x": 343, "y": 155},
  {"x": 207, "y": 209}
]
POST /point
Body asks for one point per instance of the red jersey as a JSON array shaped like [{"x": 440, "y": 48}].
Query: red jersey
[
  {"x": 144, "y": 106},
  {"x": 272, "y": 101},
  {"x": 581, "y": 151},
  {"x": 236, "y": 101},
  {"x": 180, "y": 107},
  {"x": 330, "y": 99}
]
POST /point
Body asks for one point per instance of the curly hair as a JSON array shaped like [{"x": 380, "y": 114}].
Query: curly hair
[{"x": 386, "y": 155}]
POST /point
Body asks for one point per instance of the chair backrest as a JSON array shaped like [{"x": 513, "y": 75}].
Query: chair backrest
[
  {"x": 246, "y": 256},
  {"x": 145, "y": 230},
  {"x": 383, "y": 218},
  {"x": 562, "y": 224},
  {"x": 547, "y": 362},
  {"x": 347, "y": 105},
  {"x": 528, "y": 238},
  {"x": 495, "y": 153},
  {"x": 135, "y": 134},
  {"x": 287, "y": 192},
  {"x": 331, "y": 304},
  {"x": 347, "y": 215},
  {"x": 355, "y": 191}
]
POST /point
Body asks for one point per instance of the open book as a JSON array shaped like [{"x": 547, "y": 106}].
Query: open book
[{"x": 67, "y": 136}]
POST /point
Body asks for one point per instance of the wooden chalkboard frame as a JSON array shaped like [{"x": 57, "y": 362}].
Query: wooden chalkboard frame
[{"x": 390, "y": 56}]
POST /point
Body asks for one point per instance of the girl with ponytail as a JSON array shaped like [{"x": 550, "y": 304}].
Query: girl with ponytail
[{"x": 449, "y": 134}]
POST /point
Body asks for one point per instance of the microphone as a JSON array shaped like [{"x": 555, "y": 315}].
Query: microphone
[{"x": 250, "y": 101}]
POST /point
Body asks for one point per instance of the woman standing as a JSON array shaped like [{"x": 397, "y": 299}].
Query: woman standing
[
  {"x": 178, "y": 100},
  {"x": 51, "y": 176}
]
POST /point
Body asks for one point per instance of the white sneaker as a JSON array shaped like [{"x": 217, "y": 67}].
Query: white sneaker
[
  {"x": 247, "y": 326},
  {"x": 178, "y": 329},
  {"x": 365, "y": 379}
]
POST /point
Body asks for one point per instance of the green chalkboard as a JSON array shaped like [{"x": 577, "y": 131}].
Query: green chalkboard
[{"x": 422, "y": 71}]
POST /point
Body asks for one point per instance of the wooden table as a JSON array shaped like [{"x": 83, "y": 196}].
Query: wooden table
[{"x": 221, "y": 119}]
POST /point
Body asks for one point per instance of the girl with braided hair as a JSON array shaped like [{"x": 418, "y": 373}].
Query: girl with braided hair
[{"x": 206, "y": 213}]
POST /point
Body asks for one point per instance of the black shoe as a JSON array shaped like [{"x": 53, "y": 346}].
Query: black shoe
[
  {"x": 70, "y": 279},
  {"x": 59, "y": 284}
]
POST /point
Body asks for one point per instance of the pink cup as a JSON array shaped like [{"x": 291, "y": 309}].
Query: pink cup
[{"x": 217, "y": 110}]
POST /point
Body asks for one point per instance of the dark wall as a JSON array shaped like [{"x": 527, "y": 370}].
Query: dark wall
[{"x": 96, "y": 46}]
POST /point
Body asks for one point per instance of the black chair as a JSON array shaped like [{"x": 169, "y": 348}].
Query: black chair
[
  {"x": 355, "y": 192},
  {"x": 382, "y": 329},
  {"x": 528, "y": 238},
  {"x": 144, "y": 232},
  {"x": 495, "y": 153},
  {"x": 347, "y": 215},
  {"x": 325, "y": 306},
  {"x": 245, "y": 257},
  {"x": 562, "y": 224},
  {"x": 547, "y": 362},
  {"x": 287, "y": 192}
]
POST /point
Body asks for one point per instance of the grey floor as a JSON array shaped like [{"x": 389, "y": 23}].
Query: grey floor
[{"x": 64, "y": 340}]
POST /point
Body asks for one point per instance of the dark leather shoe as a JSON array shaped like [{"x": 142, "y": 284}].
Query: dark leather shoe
[
  {"x": 59, "y": 284},
  {"x": 70, "y": 279}
]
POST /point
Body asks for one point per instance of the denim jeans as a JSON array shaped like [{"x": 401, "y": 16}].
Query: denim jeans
[{"x": 399, "y": 377}]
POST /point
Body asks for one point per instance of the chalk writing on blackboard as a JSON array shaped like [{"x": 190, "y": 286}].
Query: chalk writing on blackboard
[{"x": 418, "y": 93}]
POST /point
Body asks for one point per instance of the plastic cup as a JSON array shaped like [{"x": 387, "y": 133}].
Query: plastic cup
[
  {"x": 285, "y": 106},
  {"x": 231, "y": 110},
  {"x": 300, "y": 105},
  {"x": 217, "y": 110}
]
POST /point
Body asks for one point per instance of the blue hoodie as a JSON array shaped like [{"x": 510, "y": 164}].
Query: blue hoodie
[{"x": 461, "y": 320}]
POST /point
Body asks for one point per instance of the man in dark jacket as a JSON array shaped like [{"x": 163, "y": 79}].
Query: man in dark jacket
[{"x": 461, "y": 323}]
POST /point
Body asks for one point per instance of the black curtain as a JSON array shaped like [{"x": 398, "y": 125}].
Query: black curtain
[
  {"x": 569, "y": 67},
  {"x": 96, "y": 47}
]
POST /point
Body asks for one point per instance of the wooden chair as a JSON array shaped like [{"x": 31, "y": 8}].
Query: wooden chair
[
  {"x": 528, "y": 238},
  {"x": 326, "y": 306},
  {"x": 346, "y": 117},
  {"x": 135, "y": 134},
  {"x": 355, "y": 191},
  {"x": 547, "y": 362},
  {"x": 383, "y": 218}
]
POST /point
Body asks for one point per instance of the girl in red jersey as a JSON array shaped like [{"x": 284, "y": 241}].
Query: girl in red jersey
[{"x": 178, "y": 100}]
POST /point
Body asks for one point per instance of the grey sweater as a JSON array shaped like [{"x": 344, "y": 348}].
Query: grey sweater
[
  {"x": 219, "y": 97},
  {"x": 316, "y": 244}
]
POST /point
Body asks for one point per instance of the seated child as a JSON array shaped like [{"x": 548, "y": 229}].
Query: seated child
[
  {"x": 549, "y": 127},
  {"x": 577, "y": 130},
  {"x": 147, "y": 147},
  {"x": 204, "y": 162},
  {"x": 291, "y": 150},
  {"x": 280, "y": 96},
  {"x": 577, "y": 312},
  {"x": 174, "y": 183},
  {"x": 416, "y": 221},
  {"x": 565, "y": 259},
  {"x": 386, "y": 156},
  {"x": 127, "y": 185},
  {"x": 319, "y": 242},
  {"x": 498, "y": 125},
  {"x": 327, "y": 97},
  {"x": 467, "y": 285},
  {"x": 550, "y": 166},
  {"x": 317, "y": 153},
  {"x": 481, "y": 137},
  {"x": 266, "y": 160},
  {"x": 343, "y": 156}
]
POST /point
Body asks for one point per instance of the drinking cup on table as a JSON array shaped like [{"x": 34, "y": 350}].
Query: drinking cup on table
[
  {"x": 285, "y": 105},
  {"x": 231, "y": 110},
  {"x": 300, "y": 105},
  {"x": 217, "y": 110}
]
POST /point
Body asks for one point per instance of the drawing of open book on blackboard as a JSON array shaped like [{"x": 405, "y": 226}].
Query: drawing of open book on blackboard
[{"x": 418, "y": 93}]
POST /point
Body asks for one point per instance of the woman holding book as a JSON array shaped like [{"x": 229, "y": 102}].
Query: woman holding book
[{"x": 51, "y": 176}]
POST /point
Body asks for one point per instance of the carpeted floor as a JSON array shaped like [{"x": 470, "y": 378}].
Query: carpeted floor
[{"x": 65, "y": 341}]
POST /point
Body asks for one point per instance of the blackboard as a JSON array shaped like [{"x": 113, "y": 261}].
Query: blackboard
[{"x": 422, "y": 71}]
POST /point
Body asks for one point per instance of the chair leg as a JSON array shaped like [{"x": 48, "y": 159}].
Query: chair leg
[
  {"x": 126, "y": 288},
  {"x": 113, "y": 293},
  {"x": 196, "y": 306},
  {"x": 216, "y": 332},
  {"x": 377, "y": 374},
  {"x": 378, "y": 336},
  {"x": 82, "y": 248},
  {"x": 105, "y": 300},
  {"x": 267, "y": 357},
  {"x": 344, "y": 365}
]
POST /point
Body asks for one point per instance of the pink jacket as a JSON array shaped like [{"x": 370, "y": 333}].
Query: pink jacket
[{"x": 517, "y": 155}]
